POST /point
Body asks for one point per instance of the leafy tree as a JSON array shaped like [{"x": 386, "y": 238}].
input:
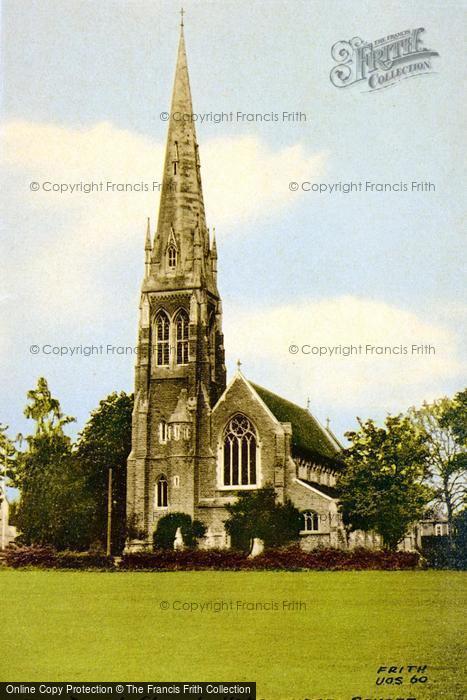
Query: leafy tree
[
  {"x": 167, "y": 526},
  {"x": 381, "y": 487},
  {"x": 46, "y": 411},
  {"x": 51, "y": 510},
  {"x": 256, "y": 514},
  {"x": 104, "y": 443},
  {"x": 455, "y": 417},
  {"x": 444, "y": 426}
]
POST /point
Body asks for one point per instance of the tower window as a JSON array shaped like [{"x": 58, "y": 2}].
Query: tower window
[
  {"x": 310, "y": 521},
  {"x": 161, "y": 492},
  {"x": 162, "y": 432},
  {"x": 162, "y": 338},
  {"x": 172, "y": 257},
  {"x": 239, "y": 452},
  {"x": 176, "y": 157},
  {"x": 182, "y": 330}
]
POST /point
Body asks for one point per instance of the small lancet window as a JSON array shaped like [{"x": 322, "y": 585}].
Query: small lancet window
[
  {"x": 162, "y": 432},
  {"x": 172, "y": 256},
  {"x": 161, "y": 494},
  {"x": 176, "y": 157}
]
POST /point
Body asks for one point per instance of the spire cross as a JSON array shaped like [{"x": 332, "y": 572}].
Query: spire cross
[
  {"x": 239, "y": 364},
  {"x": 182, "y": 12}
]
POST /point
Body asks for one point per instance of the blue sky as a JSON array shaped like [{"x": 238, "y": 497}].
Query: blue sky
[{"x": 84, "y": 84}]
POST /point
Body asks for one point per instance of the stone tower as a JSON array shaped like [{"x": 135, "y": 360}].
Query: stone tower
[{"x": 180, "y": 370}]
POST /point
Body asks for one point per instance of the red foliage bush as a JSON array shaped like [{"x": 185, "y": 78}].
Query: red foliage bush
[
  {"x": 39, "y": 556},
  {"x": 286, "y": 559},
  {"x": 47, "y": 558}
]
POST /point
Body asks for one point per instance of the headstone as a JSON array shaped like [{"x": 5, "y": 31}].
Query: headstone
[
  {"x": 257, "y": 548},
  {"x": 178, "y": 541}
]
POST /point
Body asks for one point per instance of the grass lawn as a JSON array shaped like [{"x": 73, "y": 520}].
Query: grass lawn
[{"x": 61, "y": 626}]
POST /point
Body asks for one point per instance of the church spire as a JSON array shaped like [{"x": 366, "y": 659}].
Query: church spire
[{"x": 181, "y": 209}]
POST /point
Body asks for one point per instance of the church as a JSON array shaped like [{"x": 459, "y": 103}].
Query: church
[{"x": 198, "y": 441}]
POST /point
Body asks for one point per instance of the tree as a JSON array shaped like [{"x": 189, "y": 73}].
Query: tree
[
  {"x": 380, "y": 489},
  {"x": 256, "y": 514},
  {"x": 104, "y": 443},
  {"x": 443, "y": 423},
  {"x": 51, "y": 509},
  {"x": 455, "y": 417}
]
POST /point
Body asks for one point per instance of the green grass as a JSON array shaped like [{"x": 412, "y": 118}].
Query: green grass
[{"x": 60, "y": 626}]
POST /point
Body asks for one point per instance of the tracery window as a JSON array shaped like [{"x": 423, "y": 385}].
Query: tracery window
[
  {"x": 310, "y": 521},
  {"x": 240, "y": 447}
]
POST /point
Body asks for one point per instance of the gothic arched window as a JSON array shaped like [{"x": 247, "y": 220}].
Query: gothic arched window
[
  {"x": 172, "y": 256},
  {"x": 239, "y": 452},
  {"x": 161, "y": 492},
  {"x": 310, "y": 521},
  {"x": 162, "y": 338},
  {"x": 181, "y": 340}
]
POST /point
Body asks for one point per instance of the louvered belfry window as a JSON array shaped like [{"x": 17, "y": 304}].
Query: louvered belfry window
[
  {"x": 162, "y": 338},
  {"x": 182, "y": 332}
]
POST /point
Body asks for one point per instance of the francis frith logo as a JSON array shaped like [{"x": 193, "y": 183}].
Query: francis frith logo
[{"x": 383, "y": 62}]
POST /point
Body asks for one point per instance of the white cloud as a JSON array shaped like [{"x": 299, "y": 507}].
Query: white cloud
[
  {"x": 79, "y": 229},
  {"x": 388, "y": 381},
  {"x": 84, "y": 238},
  {"x": 103, "y": 152}
]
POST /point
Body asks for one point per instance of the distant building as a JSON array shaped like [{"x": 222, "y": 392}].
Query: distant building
[{"x": 7, "y": 531}]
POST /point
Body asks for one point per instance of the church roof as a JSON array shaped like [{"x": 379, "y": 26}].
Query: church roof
[
  {"x": 330, "y": 491},
  {"x": 309, "y": 439}
]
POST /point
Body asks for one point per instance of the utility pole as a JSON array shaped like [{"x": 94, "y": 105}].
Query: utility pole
[
  {"x": 3, "y": 501},
  {"x": 109, "y": 514}
]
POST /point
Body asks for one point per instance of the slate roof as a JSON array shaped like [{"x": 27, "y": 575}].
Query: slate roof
[
  {"x": 323, "y": 488},
  {"x": 309, "y": 438}
]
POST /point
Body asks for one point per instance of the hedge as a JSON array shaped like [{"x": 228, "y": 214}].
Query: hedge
[
  {"x": 286, "y": 559},
  {"x": 440, "y": 552},
  {"x": 48, "y": 558}
]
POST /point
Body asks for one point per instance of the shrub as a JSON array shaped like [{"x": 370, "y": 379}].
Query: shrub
[
  {"x": 83, "y": 560},
  {"x": 48, "y": 558},
  {"x": 40, "y": 556},
  {"x": 438, "y": 551},
  {"x": 167, "y": 527}
]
